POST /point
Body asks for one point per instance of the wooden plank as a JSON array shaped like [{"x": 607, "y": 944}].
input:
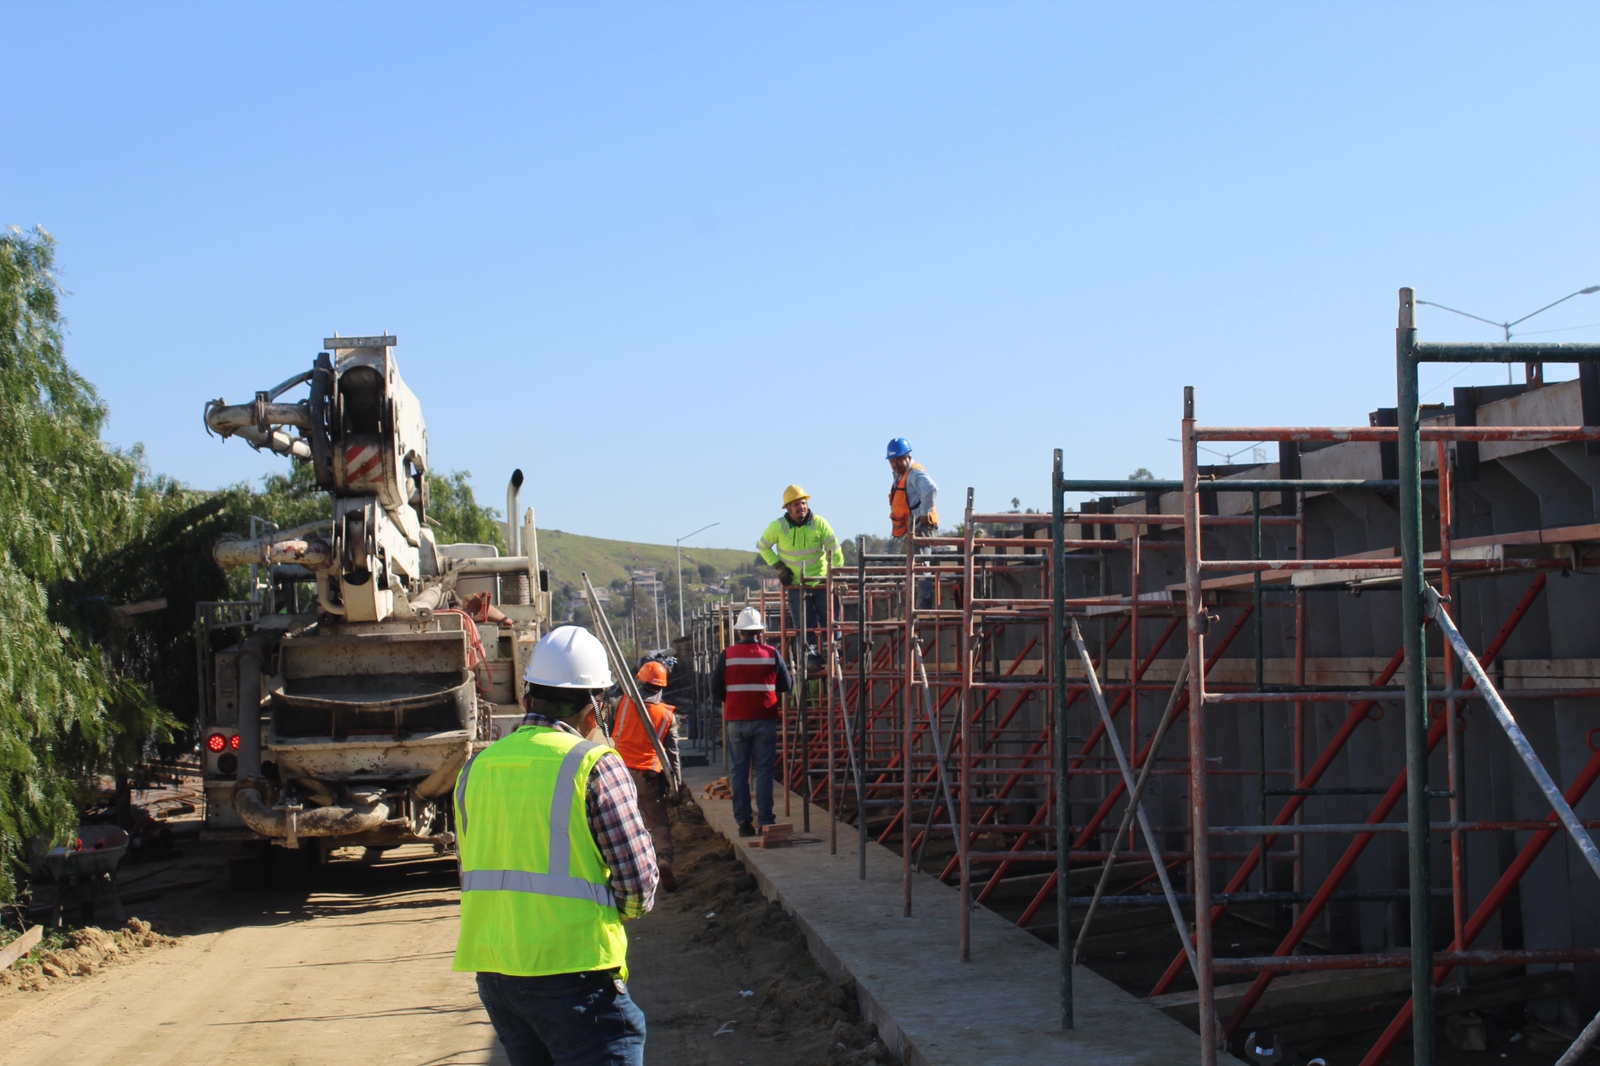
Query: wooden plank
[
  {"x": 20, "y": 946},
  {"x": 1548, "y": 535}
]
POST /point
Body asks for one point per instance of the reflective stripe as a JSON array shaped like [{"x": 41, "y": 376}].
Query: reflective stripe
[
  {"x": 537, "y": 885},
  {"x": 752, "y": 688},
  {"x": 461, "y": 791},
  {"x": 806, "y": 556},
  {"x": 561, "y": 808},
  {"x": 763, "y": 543}
]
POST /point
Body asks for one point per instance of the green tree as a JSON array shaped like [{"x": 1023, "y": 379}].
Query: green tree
[
  {"x": 66, "y": 713},
  {"x": 457, "y": 516},
  {"x": 875, "y": 546}
]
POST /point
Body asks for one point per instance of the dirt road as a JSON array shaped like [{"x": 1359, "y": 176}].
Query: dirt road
[{"x": 358, "y": 971}]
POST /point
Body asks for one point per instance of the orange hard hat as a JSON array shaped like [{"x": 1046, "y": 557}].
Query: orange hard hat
[{"x": 653, "y": 673}]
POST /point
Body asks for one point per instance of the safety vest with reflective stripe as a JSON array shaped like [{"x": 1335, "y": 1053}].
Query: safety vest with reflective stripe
[
  {"x": 900, "y": 505},
  {"x": 535, "y": 890},
  {"x": 810, "y": 549},
  {"x": 630, "y": 738},
  {"x": 750, "y": 679}
]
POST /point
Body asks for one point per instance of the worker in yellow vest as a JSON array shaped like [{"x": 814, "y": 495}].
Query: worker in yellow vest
[
  {"x": 801, "y": 546},
  {"x": 913, "y": 506},
  {"x": 632, "y": 742},
  {"x": 554, "y": 858}
]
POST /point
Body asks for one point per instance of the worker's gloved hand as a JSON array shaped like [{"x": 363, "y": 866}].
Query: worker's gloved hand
[
  {"x": 785, "y": 575},
  {"x": 675, "y": 795}
]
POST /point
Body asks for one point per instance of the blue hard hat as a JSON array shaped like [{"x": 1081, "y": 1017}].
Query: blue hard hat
[{"x": 898, "y": 447}]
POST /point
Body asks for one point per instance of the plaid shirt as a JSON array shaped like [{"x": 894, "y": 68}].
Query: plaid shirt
[{"x": 612, "y": 805}]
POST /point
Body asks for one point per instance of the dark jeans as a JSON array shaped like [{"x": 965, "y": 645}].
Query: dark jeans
[
  {"x": 927, "y": 588},
  {"x": 753, "y": 741},
  {"x": 815, "y": 602},
  {"x": 567, "y": 1019}
]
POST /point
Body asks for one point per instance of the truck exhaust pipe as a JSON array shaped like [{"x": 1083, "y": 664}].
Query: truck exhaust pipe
[
  {"x": 513, "y": 503},
  {"x": 517, "y": 589}
]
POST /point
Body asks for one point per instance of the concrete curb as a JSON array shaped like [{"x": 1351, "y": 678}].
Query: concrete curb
[{"x": 929, "y": 1008}]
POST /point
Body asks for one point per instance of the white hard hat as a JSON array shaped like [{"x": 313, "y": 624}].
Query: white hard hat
[
  {"x": 749, "y": 619},
  {"x": 568, "y": 657}
]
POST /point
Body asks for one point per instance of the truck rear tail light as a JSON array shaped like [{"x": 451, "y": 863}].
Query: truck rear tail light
[
  {"x": 234, "y": 743},
  {"x": 216, "y": 742}
]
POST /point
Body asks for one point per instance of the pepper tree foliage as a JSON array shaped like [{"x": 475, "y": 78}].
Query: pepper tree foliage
[{"x": 66, "y": 712}]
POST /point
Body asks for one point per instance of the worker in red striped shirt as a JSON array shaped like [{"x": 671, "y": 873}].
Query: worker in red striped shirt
[{"x": 748, "y": 679}]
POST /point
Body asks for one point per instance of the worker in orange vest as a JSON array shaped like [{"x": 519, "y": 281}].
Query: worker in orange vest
[
  {"x": 913, "y": 506},
  {"x": 632, "y": 741}
]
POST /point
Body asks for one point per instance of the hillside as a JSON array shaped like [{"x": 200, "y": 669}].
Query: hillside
[{"x": 569, "y": 554}]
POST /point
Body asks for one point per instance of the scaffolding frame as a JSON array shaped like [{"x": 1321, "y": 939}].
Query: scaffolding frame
[{"x": 951, "y": 721}]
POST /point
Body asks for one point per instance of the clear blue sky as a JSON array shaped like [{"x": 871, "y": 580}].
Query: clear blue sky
[{"x": 668, "y": 257}]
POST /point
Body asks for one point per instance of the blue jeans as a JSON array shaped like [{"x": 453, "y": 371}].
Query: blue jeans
[
  {"x": 753, "y": 740},
  {"x": 814, "y": 601},
  {"x": 566, "y": 1019}
]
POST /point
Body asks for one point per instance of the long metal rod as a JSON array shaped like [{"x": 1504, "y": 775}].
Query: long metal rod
[
  {"x": 1150, "y": 838},
  {"x": 630, "y": 686},
  {"x": 863, "y": 653},
  {"x": 1196, "y": 617},
  {"x": 829, "y": 705},
  {"x": 906, "y": 723},
  {"x": 1167, "y": 718},
  {"x": 1395, "y": 960},
  {"x": 1261, "y": 676},
  {"x": 1063, "y": 770},
  {"x": 969, "y": 651},
  {"x": 1412, "y": 622},
  {"x": 803, "y": 703}
]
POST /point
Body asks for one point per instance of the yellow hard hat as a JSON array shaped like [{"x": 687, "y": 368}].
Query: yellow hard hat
[{"x": 793, "y": 493}]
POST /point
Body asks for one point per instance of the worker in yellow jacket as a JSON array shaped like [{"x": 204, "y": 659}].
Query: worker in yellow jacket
[{"x": 801, "y": 546}]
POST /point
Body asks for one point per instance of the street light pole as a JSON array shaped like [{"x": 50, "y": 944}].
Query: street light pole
[
  {"x": 1534, "y": 372},
  {"x": 679, "y": 545}
]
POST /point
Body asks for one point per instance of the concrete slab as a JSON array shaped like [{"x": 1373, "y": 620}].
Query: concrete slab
[{"x": 1000, "y": 1008}]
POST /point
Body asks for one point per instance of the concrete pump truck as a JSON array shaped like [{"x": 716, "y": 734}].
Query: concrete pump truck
[{"x": 358, "y": 684}]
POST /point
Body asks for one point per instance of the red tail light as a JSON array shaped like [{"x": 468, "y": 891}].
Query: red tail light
[
  {"x": 216, "y": 742},
  {"x": 234, "y": 743}
]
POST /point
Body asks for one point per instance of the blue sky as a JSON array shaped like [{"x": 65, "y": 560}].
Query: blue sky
[{"x": 670, "y": 257}]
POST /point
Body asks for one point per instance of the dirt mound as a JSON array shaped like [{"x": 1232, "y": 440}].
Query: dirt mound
[
  {"x": 810, "y": 1017},
  {"x": 84, "y": 952}
]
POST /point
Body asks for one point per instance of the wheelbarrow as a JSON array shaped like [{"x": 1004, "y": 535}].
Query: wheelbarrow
[{"x": 86, "y": 869}]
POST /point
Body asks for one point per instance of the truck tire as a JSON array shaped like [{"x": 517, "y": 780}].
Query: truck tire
[{"x": 252, "y": 873}]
